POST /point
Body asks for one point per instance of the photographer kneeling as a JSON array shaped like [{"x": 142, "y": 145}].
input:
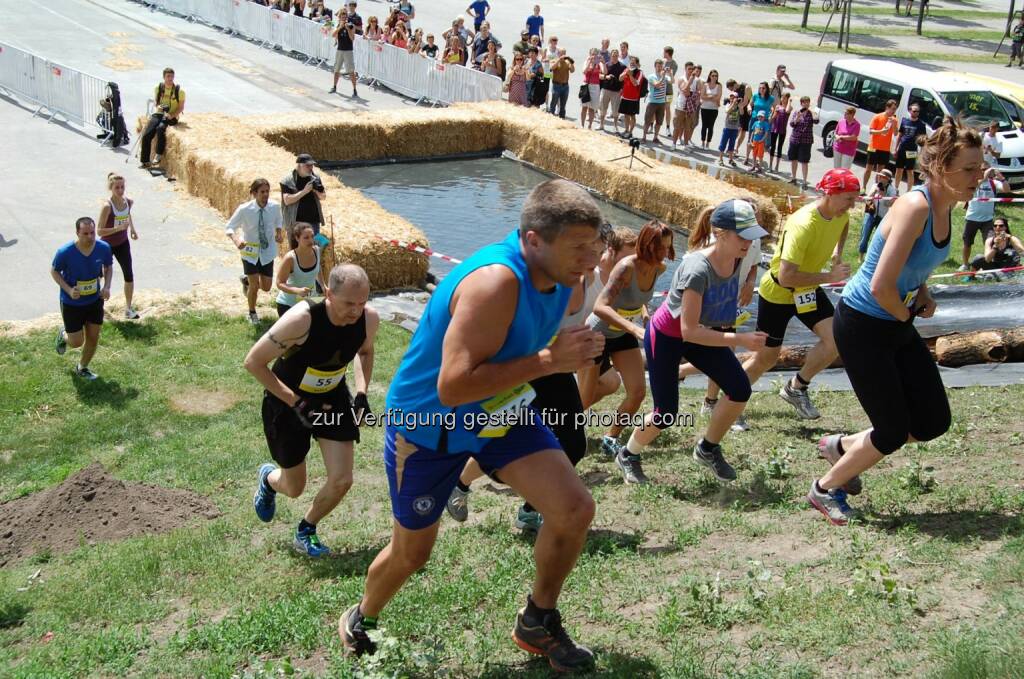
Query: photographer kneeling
[
  {"x": 1003, "y": 250},
  {"x": 170, "y": 104},
  {"x": 301, "y": 193}
]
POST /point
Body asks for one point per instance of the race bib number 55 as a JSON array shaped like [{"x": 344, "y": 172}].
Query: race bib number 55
[
  {"x": 321, "y": 381},
  {"x": 806, "y": 299}
]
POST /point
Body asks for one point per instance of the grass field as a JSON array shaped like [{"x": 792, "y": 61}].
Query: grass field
[
  {"x": 859, "y": 50},
  {"x": 681, "y": 578},
  {"x": 941, "y": 34}
]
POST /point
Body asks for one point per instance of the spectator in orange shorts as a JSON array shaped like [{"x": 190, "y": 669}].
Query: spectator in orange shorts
[{"x": 758, "y": 137}]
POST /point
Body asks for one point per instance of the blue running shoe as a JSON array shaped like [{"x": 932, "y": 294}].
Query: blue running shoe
[
  {"x": 310, "y": 545},
  {"x": 264, "y": 499}
]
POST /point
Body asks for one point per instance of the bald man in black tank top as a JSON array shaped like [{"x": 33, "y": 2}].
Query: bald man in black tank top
[{"x": 307, "y": 395}]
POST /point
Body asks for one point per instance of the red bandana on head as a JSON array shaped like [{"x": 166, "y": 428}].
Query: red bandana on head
[{"x": 838, "y": 180}]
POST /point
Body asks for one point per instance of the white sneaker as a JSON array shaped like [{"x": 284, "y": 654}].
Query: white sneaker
[
  {"x": 706, "y": 406},
  {"x": 130, "y": 313},
  {"x": 740, "y": 424},
  {"x": 253, "y": 318}
]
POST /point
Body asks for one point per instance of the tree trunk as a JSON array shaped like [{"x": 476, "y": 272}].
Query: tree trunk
[{"x": 985, "y": 346}]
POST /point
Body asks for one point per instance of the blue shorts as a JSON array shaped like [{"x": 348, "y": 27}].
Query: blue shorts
[
  {"x": 420, "y": 479},
  {"x": 728, "y": 142}
]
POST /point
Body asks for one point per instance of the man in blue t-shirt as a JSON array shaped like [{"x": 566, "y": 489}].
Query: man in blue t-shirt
[
  {"x": 478, "y": 9},
  {"x": 535, "y": 23},
  {"x": 77, "y": 269}
]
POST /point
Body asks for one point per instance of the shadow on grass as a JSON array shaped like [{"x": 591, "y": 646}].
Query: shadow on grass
[
  {"x": 339, "y": 564},
  {"x": 961, "y": 526},
  {"x": 749, "y": 495},
  {"x": 133, "y": 331},
  {"x": 13, "y": 614},
  {"x": 605, "y": 542},
  {"x": 610, "y": 664},
  {"x": 103, "y": 392}
]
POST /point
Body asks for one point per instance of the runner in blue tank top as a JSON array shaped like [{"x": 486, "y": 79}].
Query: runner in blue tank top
[
  {"x": 889, "y": 365},
  {"x": 462, "y": 391}
]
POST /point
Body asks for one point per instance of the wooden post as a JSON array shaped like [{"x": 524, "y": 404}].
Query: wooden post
[
  {"x": 807, "y": 9},
  {"x": 920, "y": 14}
]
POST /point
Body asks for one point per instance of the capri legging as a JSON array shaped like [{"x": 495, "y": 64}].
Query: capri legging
[
  {"x": 665, "y": 353},
  {"x": 123, "y": 254},
  {"x": 777, "y": 143},
  {"x": 708, "y": 116},
  {"x": 558, "y": 400},
  {"x": 894, "y": 377}
]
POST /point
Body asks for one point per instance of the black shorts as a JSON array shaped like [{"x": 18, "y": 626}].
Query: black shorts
[
  {"x": 800, "y": 152},
  {"x": 878, "y": 157},
  {"x": 629, "y": 107},
  {"x": 123, "y": 254},
  {"x": 288, "y": 440},
  {"x": 973, "y": 228},
  {"x": 773, "y": 318},
  {"x": 745, "y": 121},
  {"x": 903, "y": 162},
  {"x": 258, "y": 269},
  {"x": 75, "y": 317},
  {"x": 614, "y": 345}
]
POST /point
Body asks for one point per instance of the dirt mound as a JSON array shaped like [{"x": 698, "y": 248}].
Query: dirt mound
[{"x": 92, "y": 506}]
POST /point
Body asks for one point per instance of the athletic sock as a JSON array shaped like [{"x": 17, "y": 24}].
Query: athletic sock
[
  {"x": 368, "y": 622},
  {"x": 633, "y": 447},
  {"x": 305, "y": 527},
  {"x": 802, "y": 382},
  {"x": 839, "y": 446},
  {"x": 706, "y": 446},
  {"x": 461, "y": 486},
  {"x": 534, "y": 614},
  {"x": 819, "y": 489}
]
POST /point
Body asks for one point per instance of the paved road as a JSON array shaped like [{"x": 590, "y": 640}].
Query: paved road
[{"x": 54, "y": 173}]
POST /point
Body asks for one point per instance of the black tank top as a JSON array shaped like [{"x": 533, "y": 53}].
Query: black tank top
[{"x": 316, "y": 367}]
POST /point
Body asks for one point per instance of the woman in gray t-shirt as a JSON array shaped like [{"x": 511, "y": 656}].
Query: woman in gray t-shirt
[
  {"x": 619, "y": 314},
  {"x": 695, "y": 324}
]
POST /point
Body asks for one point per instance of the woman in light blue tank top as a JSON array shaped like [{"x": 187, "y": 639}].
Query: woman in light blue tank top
[
  {"x": 299, "y": 272},
  {"x": 889, "y": 366}
]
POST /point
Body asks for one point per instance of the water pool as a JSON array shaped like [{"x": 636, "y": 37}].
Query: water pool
[{"x": 462, "y": 205}]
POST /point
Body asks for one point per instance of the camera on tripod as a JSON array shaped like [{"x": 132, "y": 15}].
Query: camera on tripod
[{"x": 634, "y": 143}]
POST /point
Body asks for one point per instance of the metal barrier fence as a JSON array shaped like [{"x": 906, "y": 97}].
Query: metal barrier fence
[
  {"x": 411, "y": 75},
  {"x": 54, "y": 88}
]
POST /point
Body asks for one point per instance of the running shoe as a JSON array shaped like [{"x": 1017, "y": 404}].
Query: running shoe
[
  {"x": 715, "y": 461},
  {"x": 799, "y": 399},
  {"x": 353, "y": 628},
  {"x": 740, "y": 424},
  {"x": 333, "y": 90},
  {"x": 458, "y": 504},
  {"x": 254, "y": 318},
  {"x": 610, "y": 446},
  {"x": 529, "y": 522},
  {"x": 131, "y": 314},
  {"x": 708, "y": 406},
  {"x": 62, "y": 342},
  {"x": 828, "y": 449},
  {"x": 964, "y": 267},
  {"x": 552, "y": 641},
  {"x": 309, "y": 544},
  {"x": 632, "y": 472},
  {"x": 264, "y": 500},
  {"x": 832, "y": 504},
  {"x": 85, "y": 373}
]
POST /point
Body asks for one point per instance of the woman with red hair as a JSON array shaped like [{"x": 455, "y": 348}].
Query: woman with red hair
[{"x": 620, "y": 314}]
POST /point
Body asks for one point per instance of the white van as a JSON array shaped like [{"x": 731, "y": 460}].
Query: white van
[{"x": 868, "y": 83}]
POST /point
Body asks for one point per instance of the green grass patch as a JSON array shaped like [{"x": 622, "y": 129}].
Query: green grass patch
[
  {"x": 870, "y": 52},
  {"x": 797, "y": 8},
  {"x": 940, "y": 34},
  {"x": 681, "y": 578}
]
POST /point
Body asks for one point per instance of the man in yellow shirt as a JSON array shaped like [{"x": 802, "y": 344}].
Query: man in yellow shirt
[
  {"x": 170, "y": 99},
  {"x": 812, "y": 236}
]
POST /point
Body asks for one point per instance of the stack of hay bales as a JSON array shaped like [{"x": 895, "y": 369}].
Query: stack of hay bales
[{"x": 216, "y": 157}]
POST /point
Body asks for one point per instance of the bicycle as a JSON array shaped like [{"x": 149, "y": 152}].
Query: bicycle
[{"x": 829, "y": 5}]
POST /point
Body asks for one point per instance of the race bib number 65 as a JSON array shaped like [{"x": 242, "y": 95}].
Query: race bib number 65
[{"x": 89, "y": 287}]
